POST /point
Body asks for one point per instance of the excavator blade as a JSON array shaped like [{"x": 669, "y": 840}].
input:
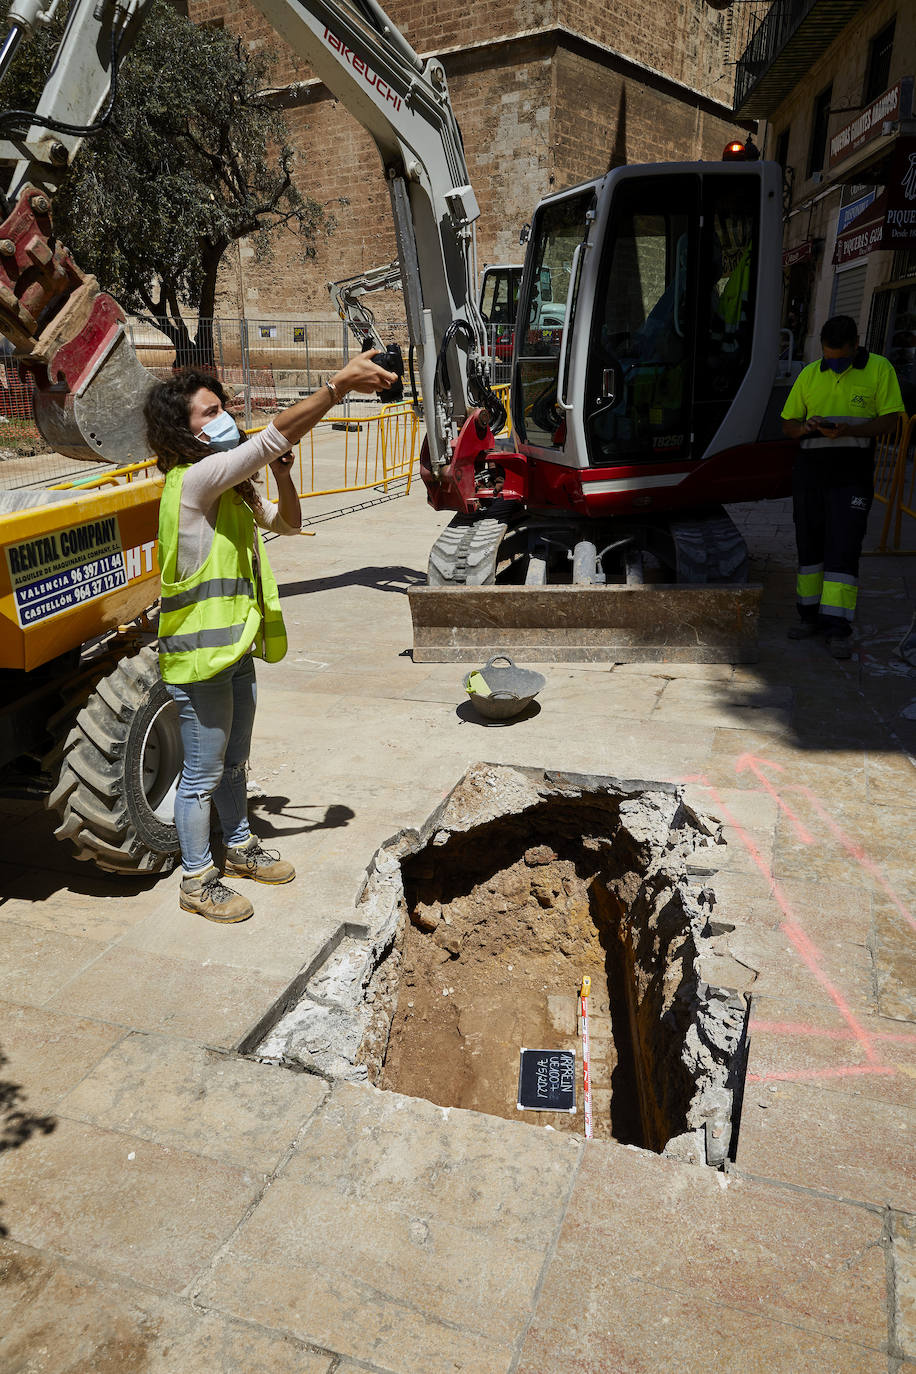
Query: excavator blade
[
  {"x": 652, "y": 623},
  {"x": 104, "y": 421}
]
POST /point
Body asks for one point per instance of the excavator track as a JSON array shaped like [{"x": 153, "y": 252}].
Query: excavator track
[
  {"x": 709, "y": 548},
  {"x": 466, "y": 553}
]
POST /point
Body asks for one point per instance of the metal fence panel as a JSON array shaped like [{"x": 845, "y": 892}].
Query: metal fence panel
[{"x": 349, "y": 454}]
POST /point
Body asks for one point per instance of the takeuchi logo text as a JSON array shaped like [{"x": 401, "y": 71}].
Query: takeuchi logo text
[{"x": 362, "y": 69}]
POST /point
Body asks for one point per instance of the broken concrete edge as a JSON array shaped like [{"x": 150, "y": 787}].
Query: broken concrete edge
[{"x": 322, "y": 1021}]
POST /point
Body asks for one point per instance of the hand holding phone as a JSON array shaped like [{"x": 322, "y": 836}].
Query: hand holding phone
[{"x": 282, "y": 463}]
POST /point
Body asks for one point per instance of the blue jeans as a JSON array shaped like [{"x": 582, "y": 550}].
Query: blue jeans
[{"x": 216, "y": 719}]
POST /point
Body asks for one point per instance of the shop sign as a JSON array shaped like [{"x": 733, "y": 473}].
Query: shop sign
[
  {"x": 890, "y": 220},
  {"x": 799, "y": 252},
  {"x": 890, "y": 107},
  {"x": 901, "y": 196},
  {"x": 854, "y": 210}
]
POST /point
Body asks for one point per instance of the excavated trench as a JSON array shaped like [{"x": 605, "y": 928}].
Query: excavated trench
[
  {"x": 471, "y": 939},
  {"x": 496, "y": 948}
]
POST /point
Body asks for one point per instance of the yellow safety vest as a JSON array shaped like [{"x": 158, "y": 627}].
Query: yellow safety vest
[
  {"x": 229, "y": 605},
  {"x": 865, "y": 390}
]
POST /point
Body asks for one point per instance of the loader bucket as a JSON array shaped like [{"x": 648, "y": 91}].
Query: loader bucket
[
  {"x": 103, "y": 421},
  {"x": 654, "y": 623}
]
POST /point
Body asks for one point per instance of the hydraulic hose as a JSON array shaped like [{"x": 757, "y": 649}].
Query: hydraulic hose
[{"x": 26, "y": 118}]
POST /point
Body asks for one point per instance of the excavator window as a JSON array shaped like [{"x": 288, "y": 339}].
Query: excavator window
[
  {"x": 673, "y": 323},
  {"x": 644, "y": 323},
  {"x": 499, "y": 295},
  {"x": 725, "y": 333},
  {"x": 558, "y": 228}
]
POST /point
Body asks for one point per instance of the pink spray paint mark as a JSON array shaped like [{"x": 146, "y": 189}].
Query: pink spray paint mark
[
  {"x": 797, "y": 1028},
  {"x": 748, "y": 761},
  {"x": 806, "y": 950},
  {"x": 857, "y": 852}
]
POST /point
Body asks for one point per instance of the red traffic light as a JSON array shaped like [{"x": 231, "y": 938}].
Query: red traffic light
[{"x": 734, "y": 152}]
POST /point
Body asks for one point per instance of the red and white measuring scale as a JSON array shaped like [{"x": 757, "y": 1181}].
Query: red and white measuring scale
[{"x": 586, "y": 1075}]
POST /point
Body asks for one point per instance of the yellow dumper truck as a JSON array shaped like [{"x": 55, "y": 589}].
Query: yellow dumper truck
[{"x": 82, "y": 705}]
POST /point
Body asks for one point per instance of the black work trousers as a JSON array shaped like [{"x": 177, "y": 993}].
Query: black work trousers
[{"x": 830, "y": 522}]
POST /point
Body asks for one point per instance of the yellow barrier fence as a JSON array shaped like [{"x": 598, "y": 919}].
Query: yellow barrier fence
[
  {"x": 114, "y": 477},
  {"x": 502, "y": 391},
  {"x": 894, "y": 486},
  {"x": 337, "y": 456},
  {"x": 377, "y": 451}
]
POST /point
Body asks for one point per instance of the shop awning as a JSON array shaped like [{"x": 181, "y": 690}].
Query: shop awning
[{"x": 890, "y": 220}]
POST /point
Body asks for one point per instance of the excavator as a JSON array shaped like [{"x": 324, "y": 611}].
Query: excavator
[
  {"x": 642, "y": 377},
  {"x": 637, "y": 410}
]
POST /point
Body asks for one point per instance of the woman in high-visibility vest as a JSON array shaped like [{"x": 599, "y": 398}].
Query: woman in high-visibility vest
[{"x": 220, "y": 607}]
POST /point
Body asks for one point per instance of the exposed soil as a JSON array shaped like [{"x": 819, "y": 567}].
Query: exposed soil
[{"x": 495, "y": 967}]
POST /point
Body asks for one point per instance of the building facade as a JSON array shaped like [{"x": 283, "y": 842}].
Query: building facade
[
  {"x": 833, "y": 79},
  {"x": 547, "y": 92}
]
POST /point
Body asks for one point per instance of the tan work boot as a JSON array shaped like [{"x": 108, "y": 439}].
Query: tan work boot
[
  {"x": 208, "y": 896},
  {"x": 263, "y": 865}
]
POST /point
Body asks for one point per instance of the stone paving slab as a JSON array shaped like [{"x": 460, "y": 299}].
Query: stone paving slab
[
  {"x": 403, "y": 1233},
  {"x": 135, "y": 988},
  {"x": 121, "y": 1204},
  {"x": 642, "y": 1242},
  {"x": 208, "y": 1103},
  {"x": 895, "y": 963},
  {"x": 643, "y": 1328},
  {"x": 814, "y": 1043},
  {"x": 50, "y": 1051},
  {"x": 56, "y": 1317},
  {"x": 86, "y": 906},
  {"x": 36, "y": 962},
  {"x": 849, "y": 1145}
]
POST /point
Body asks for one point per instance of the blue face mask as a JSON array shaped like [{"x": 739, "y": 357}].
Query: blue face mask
[
  {"x": 837, "y": 364},
  {"x": 221, "y": 433}
]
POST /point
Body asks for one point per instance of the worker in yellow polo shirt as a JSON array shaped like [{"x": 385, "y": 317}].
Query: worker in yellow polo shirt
[{"x": 836, "y": 407}]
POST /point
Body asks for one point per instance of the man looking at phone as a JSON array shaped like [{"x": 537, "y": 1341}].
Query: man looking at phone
[{"x": 836, "y": 407}]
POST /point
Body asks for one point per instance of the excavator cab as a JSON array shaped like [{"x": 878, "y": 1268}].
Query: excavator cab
[{"x": 667, "y": 349}]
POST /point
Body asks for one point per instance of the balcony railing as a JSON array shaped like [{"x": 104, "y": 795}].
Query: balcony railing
[{"x": 781, "y": 48}]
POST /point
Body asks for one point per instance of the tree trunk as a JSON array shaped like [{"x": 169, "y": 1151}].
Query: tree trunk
[{"x": 211, "y": 255}]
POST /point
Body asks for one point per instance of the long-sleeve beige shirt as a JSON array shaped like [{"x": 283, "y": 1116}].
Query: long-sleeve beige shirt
[{"x": 207, "y": 480}]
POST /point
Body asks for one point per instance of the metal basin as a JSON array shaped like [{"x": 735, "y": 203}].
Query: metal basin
[{"x": 511, "y": 689}]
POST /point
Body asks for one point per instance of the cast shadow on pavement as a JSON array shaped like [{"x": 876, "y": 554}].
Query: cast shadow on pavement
[
  {"x": 387, "y": 579},
  {"x": 863, "y": 703},
  {"x": 17, "y": 1124},
  {"x": 465, "y": 711},
  {"x": 260, "y": 808}
]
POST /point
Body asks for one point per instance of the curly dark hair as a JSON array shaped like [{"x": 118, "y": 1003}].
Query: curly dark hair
[{"x": 169, "y": 432}]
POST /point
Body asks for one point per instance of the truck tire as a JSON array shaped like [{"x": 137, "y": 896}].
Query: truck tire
[{"x": 119, "y": 765}]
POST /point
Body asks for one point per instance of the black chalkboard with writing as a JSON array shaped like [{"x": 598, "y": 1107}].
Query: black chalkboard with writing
[{"x": 547, "y": 1081}]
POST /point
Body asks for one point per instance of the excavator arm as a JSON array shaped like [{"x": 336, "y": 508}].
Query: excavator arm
[
  {"x": 71, "y": 335},
  {"x": 403, "y": 103},
  {"x": 65, "y": 330},
  {"x": 348, "y": 296}
]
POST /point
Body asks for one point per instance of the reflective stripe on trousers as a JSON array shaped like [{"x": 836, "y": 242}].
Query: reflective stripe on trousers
[
  {"x": 809, "y": 582},
  {"x": 839, "y": 595}
]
